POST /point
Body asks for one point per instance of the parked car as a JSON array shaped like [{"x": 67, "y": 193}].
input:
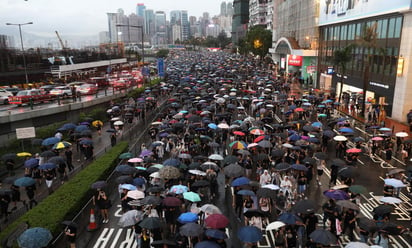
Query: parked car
[
  {"x": 4, "y": 96},
  {"x": 63, "y": 91},
  {"x": 27, "y": 96},
  {"x": 87, "y": 89}
]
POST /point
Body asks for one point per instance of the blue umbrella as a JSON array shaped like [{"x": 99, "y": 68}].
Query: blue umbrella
[
  {"x": 313, "y": 140},
  {"x": 31, "y": 163},
  {"x": 294, "y": 137},
  {"x": 240, "y": 181},
  {"x": 299, "y": 167},
  {"x": 336, "y": 194},
  {"x": 69, "y": 126},
  {"x": 249, "y": 234},
  {"x": 317, "y": 124},
  {"x": 246, "y": 192},
  {"x": 358, "y": 139},
  {"x": 138, "y": 181},
  {"x": 35, "y": 237},
  {"x": 179, "y": 189},
  {"x": 212, "y": 125},
  {"x": 47, "y": 166},
  {"x": 24, "y": 181},
  {"x": 128, "y": 187},
  {"x": 216, "y": 234},
  {"x": 188, "y": 217},
  {"x": 329, "y": 133},
  {"x": 81, "y": 128},
  {"x": 125, "y": 169},
  {"x": 50, "y": 141},
  {"x": 289, "y": 218},
  {"x": 86, "y": 142},
  {"x": 207, "y": 244},
  {"x": 171, "y": 162},
  {"x": 346, "y": 130}
]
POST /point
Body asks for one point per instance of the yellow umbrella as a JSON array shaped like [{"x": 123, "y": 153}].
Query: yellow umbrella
[
  {"x": 24, "y": 154},
  {"x": 61, "y": 145},
  {"x": 97, "y": 122}
]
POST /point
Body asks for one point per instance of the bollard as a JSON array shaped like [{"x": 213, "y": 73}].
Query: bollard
[
  {"x": 58, "y": 100},
  {"x": 31, "y": 103},
  {"x": 97, "y": 93},
  {"x": 105, "y": 91}
]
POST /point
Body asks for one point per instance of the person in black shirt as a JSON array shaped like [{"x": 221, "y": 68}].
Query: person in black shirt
[
  {"x": 388, "y": 190},
  {"x": 69, "y": 158}
]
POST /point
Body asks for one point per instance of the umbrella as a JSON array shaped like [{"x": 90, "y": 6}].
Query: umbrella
[
  {"x": 135, "y": 160},
  {"x": 377, "y": 138},
  {"x": 391, "y": 200},
  {"x": 401, "y": 134},
  {"x": 197, "y": 172},
  {"x": 347, "y": 204},
  {"x": 336, "y": 194},
  {"x": 125, "y": 169},
  {"x": 61, "y": 145},
  {"x": 215, "y": 157},
  {"x": 8, "y": 156},
  {"x": 124, "y": 179},
  {"x": 191, "y": 196},
  {"x": 250, "y": 234},
  {"x": 216, "y": 221},
  {"x": 128, "y": 186},
  {"x": 357, "y": 189},
  {"x": 126, "y": 155},
  {"x": 246, "y": 192},
  {"x": 150, "y": 223},
  {"x": 266, "y": 193},
  {"x": 34, "y": 238},
  {"x": 340, "y": 138},
  {"x": 210, "y": 209},
  {"x": 382, "y": 209},
  {"x": 338, "y": 162},
  {"x": 348, "y": 171},
  {"x": 356, "y": 245},
  {"x": 171, "y": 162},
  {"x": 145, "y": 153},
  {"x": 308, "y": 160},
  {"x": 257, "y": 131},
  {"x": 275, "y": 225},
  {"x": 299, "y": 167},
  {"x": 207, "y": 244},
  {"x": 323, "y": 237},
  {"x": 191, "y": 229},
  {"x": 304, "y": 206},
  {"x": 255, "y": 213},
  {"x": 289, "y": 218},
  {"x": 353, "y": 150},
  {"x": 47, "y": 154},
  {"x": 163, "y": 242},
  {"x": 395, "y": 171},
  {"x": 277, "y": 153},
  {"x": 392, "y": 229},
  {"x": 188, "y": 217},
  {"x": 24, "y": 182},
  {"x": 31, "y": 163},
  {"x": 234, "y": 170},
  {"x": 396, "y": 183},
  {"x": 265, "y": 144},
  {"x": 56, "y": 160},
  {"x": 155, "y": 189},
  {"x": 97, "y": 123},
  {"x": 240, "y": 181},
  {"x": 86, "y": 142},
  {"x": 239, "y": 145},
  {"x": 135, "y": 194},
  {"x": 367, "y": 224},
  {"x": 200, "y": 183},
  {"x": 184, "y": 156},
  {"x": 24, "y": 154},
  {"x": 70, "y": 223},
  {"x": 99, "y": 185},
  {"x": 271, "y": 187},
  {"x": 118, "y": 123},
  {"x": 169, "y": 172},
  {"x": 216, "y": 234},
  {"x": 130, "y": 218},
  {"x": 170, "y": 201},
  {"x": 282, "y": 166},
  {"x": 179, "y": 189},
  {"x": 151, "y": 200},
  {"x": 346, "y": 130},
  {"x": 69, "y": 126},
  {"x": 50, "y": 141}
]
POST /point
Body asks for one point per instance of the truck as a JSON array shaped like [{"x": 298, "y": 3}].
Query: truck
[{"x": 30, "y": 96}]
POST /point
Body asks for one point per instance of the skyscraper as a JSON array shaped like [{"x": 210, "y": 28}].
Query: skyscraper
[{"x": 140, "y": 8}]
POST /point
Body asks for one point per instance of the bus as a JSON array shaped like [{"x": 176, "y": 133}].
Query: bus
[{"x": 100, "y": 82}]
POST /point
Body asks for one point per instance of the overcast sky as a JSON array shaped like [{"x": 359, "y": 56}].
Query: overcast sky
[{"x": 85, "y": 17}]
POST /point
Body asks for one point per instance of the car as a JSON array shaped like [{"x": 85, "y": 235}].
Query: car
[
  {"x": 87, "y": 89},
  {"x": 63, "y": 91},
  {"x": 4, "y": 96},
  {"x": 47, "y": 88},
  {"x": 30, "y": 96},
  {"x": 119, "y": 84},
  {"x": 12, "y": 90}
]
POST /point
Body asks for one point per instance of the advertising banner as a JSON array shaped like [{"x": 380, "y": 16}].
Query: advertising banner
[
  {"x": 295, "y": 60},
  {"x": 334, "y": 11},
  {"x": 160, "y": 67}
]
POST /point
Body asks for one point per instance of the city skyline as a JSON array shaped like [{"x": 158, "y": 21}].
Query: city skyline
[{"x": 88, "y": 20}]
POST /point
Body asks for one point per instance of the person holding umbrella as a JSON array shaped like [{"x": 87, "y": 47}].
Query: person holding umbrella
[
  {"x": 70, "y": 232},
  {"x": 30, "y": 192}
]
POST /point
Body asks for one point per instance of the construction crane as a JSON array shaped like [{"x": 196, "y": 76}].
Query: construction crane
[{"x": 64, "y": 48}]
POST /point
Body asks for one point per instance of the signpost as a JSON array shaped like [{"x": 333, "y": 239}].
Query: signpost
[{"x": 25, "y": 133}]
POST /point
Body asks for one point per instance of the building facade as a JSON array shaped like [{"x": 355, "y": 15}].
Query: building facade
[
  {"x": 383, "y": 66},
  {"x": 240, "y": 19}
]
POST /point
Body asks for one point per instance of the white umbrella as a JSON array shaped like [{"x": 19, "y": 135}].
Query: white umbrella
[
  {"x": 155, "y": 175},
  {"x": 197, "y": 172},
  {"x": 118, "y": 123},
  {"x": 357, "y": 245},
  {"x": 220, "y": 100},
  {"x": 340, "y": 138},
  {"x": 396, "y": 183},
  {"x": 275, "y": 225},
  {"x": 135, "y": 194},
  {"x": 287, "y": 145},
  {"x": 271, "y": 186},
  {"x": 340, "y": 186},
  {"x": 215, "y": 157},
  {"x": 401, "y": 134},
  {"x": 252, "y": 145},
  {"x": 157, "y": 123},
  {"x": 223, "y": 126},
  {"x": 391, "y": 200},
  {"x": 130, "y": 218}
]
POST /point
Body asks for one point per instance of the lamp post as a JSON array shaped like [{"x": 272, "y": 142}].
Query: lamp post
[
  {"x": 22, "y": 47},
  {"x": 135, "y": 26}
]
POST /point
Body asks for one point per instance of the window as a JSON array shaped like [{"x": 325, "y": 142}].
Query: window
[
  {"x": 391, "y": 28},
  {"x": 398, "y": 27},
  {"x": 343, "y": 32},
  {"x": 384, "y": 30},
  {"x": 358, "y": 30}
]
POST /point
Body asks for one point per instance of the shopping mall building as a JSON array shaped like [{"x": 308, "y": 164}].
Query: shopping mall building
[{"x": 341, "y": 23}]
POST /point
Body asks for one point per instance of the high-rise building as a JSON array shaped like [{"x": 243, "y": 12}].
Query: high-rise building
[
  {"x": 223, "y": 9},
  {"x": 149, "y": 22},
  {"x": 240, "y": 19},
  {"x": 140, "y": 8},
  {"x": 160, "y": 37},
  {"x": 185, "y": 25}
]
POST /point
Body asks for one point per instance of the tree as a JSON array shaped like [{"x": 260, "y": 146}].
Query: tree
[
  {"x": 341, "y": 58},
  {"x": 367, "y": 41},
  {"x": 162, "y": 53},
  {"x": 258, "y": 40}
]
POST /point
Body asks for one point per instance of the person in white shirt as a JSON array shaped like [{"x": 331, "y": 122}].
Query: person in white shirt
[
  {"x": 265, "y": 178},
  {"x": 286, "y": 186}
]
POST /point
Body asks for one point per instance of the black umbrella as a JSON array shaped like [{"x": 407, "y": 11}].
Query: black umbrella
[
  {"x": 323, "y": 237},
  {"x": 348, "y": 172},
  {"x": 255, "y": 213},
  {"x": 70, "y": 223},
  {"x": 308, "y": 160},
  {"x": 191, "y": 230},
  {"x": 234, "y": 170},
  {"x": 154, "y": 189},
  {"x": 99, "y": 185},
  {"x": 151, "y": 200},
  {"x": 161, "y": 243},
  {"x": 338, "y": 162},
  {"x": 230, "y": 159},
  {"x": 8, "y": 156},
  {"x": 124, "y": 179},
  {"x": 320, "y": 155},
  {"x": 392, "y": 229},
  {"x": 304, "y": 207},
  {"x": 56, "y": 160},
  {"x": 367, "y": 224},
  {"x": 266, "y": 193},
  {"x": 150, "y": 170},
  {"x": 125, "y": 169},
  {"x": 277, "y": 153},
  {"x": 382, "y": 210},
  {"x": 200, "y": 184},
  {"x": 47, "y": 154},
  {"x": 282, "y": 166},
  {"x": 150, "y": 223}
]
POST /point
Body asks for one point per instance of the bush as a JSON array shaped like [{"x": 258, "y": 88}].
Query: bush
[{"x": 70, "y": 197}]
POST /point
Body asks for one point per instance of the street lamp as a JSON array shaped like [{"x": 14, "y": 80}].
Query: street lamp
[
  {"x": 22, "y": 47},
  {"x": 135, "y": 26}
]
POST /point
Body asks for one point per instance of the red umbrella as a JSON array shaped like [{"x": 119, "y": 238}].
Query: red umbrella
[
  {"x": 217, "y": 221},
  {"x": 239, "y": 133},
  {"x": 260, "y": 138},
  {"x": 353, "y": 150},
  {"x": 299, "y": 110},
  {"x": 171, "y": 202},
  {"x": 257, "y": 131}
]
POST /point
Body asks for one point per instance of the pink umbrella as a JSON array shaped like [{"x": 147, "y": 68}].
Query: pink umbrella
[
  {"x": 377, "y": 138},
  {"x": 135, "y": 160},
  {"x": 353, "y": 150},
  {"x": 257, "y": 131}
]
